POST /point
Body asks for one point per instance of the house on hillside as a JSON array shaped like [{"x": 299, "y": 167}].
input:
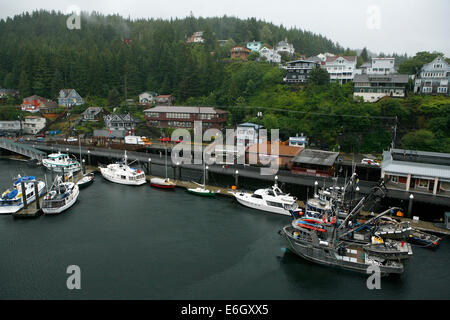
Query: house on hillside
[
  {"x": 433, "y": 78},
  {"x": 147, "y": 97},
  {"x": 197, "y": 37},
  {"x": 165, "y": 100},
  {"x": 268, "y": 54},
  {"x": 8, "y": 93},
  {"x": 342, "y": 69},
  {"x": 32, "y": 103},
  {"x": 93, "y": 114},
  {"x": 382, "y": 66},
  {"x": 69, "y": 98},
  {"x": 297, "y": 70},
  {"x": 285, "y": 47},
  {"x": 254, "y": 45},
  {"x": 373, "y": 87},
  {"x": 247, "y": 134},
  {"x": 116, "y": 121},
  {"x": 239, "y": 52}
]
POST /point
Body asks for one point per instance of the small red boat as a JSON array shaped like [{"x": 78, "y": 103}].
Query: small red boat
[{"x": 162, "y": 183}]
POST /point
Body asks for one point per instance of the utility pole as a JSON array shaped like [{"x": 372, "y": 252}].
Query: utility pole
[{"x": 395, "y": 133}]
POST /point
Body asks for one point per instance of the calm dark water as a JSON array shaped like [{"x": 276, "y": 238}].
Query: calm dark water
[{"x": 143, "y": 243}]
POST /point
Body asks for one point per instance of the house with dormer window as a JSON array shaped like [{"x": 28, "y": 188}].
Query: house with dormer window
[
  {"x": 69, "y": 98},
  {"x": 117, "y": 121},
  {"x": 433, "y": 78}
]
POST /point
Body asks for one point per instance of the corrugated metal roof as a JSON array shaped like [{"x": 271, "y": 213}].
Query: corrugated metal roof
[
  {"x": 319, "y": 157},
  {"x": 182, "y": 109},
  {"x": 416, "y": 169}
]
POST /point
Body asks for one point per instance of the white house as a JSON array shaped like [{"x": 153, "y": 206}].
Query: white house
[
  {"x": 147, "y": 97},
  {"x": 269, "y": 55},
  {"x": 285, "y": 47},
  {"x": 381, "y": 66},
  {"x": 33, "y": 124},
  {"x": 342, "y": 69}
]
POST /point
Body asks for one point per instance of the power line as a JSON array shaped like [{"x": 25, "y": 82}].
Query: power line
[{"x": 312, "y": 113}]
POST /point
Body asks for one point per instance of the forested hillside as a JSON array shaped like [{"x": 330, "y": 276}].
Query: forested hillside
[{"x": 40, "y": 55}]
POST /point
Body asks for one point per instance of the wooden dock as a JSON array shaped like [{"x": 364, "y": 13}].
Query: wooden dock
[{"x": 32, "y": 212}]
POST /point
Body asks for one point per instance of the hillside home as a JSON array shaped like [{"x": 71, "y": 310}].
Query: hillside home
[
  {"x": 433, "y": 78},
  {"x": 69, "y": 98}
]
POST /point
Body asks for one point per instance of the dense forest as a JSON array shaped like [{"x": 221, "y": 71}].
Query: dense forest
[{"x": 111, "y": 58}]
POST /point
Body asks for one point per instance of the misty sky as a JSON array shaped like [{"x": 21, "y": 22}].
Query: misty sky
[{"x": 380, "y": 25}]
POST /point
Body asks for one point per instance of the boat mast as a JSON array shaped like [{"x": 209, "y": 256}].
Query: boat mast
[{"x": 166, "y": 160}]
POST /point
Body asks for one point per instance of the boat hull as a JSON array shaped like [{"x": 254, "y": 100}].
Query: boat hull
[
  {"x": 67, "y": 205},
  {"x": 201, "y": 193},
  {"x": 113, "y": 178},
  {"x": 162, "y": 183},
  {"x": 316, "y": 255},
  {"x": 260, "y": 205},
  {"x": 58, "y": 168},
  {"x": 85, "y": 184}
]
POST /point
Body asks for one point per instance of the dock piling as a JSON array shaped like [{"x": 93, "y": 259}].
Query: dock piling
[
  {"x": 36, "y": 193},
  {"x": 410, "y": 205},
  {"x": 236, "y": 178},
  {"x": 24, "y": 194},
  {"x": 149, "y": 165}
]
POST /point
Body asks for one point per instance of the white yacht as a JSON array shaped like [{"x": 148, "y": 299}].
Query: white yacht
[
  {"x": 61, "y": 196},
  {"x": 270, "y": 199},
  {"x": 121, "y": 172},
  {"x": 57, "y": 161},
  {"x": 11, "y": 199}
]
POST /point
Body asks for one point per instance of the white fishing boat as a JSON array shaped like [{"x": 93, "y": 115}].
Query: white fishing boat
[
  {"x": 269, "y": 199},
  {"x": 59, "y": 161},
  {"x": 11, "y": 200},
  {"x": 61, "y": 197},
  {"x": 121, "y": 172}
]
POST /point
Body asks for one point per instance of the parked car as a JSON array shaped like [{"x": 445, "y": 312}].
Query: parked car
[
  {"x": 71, "y": 139},
  {"x": 371, "y": 162}
]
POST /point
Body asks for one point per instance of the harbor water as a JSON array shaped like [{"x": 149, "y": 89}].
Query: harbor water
[{"x": 145, "y": 243}]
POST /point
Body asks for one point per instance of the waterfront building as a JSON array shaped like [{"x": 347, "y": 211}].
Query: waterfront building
[
  {"x": 93, "y": 114},
  {"x": 115, "y": 121},
  {"x": 297, "y": 70},
  {"x": 312, "y": 162},
  {"x": 373, "y": 87},
  {"x": 285, "y": 47},
  {"x": 239, "y": 52},
  {"x": 32, "y": 103},
  {"x": 254, "y": 45},
  {"x": 342, "y": 69},
  {"x": 33, "y": 124},
  {"x": 184, "y": 117},
  {"x": 165, "y": 99},
  {"x": 147, "y": 97},
  {"x": 247, "y": 134},
  {"x": 381, "y": 66},
  {"x": 417, "y": 171},
  {"x": 433, "y": 78},
  {"x": 14, "y": 126},
  {"x": 269, "y": 55},
  {"x": 265, "y": 153},
  {"x": 69, "y": 98}
]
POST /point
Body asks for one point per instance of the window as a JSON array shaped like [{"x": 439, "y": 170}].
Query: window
[
  {"x": 442, "y": 89},
  {"x": 257, "y": 196},
  {"x": 423, "y": 183},
  {"x": 274, "y": 204}
]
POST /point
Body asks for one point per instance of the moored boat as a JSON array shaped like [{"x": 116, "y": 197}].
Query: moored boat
[
  {"x": 11, "y": 200},
  {"x": 86, "y": 181},
  {"x": 269, "y": 199},
  {"x": 61, "y": 197},
  {"x": 61, "y": 161},
  {"x": 120, "y": 172},
  {"x": 162, "y": 183},
  {"x": 201, "y": 191}
]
